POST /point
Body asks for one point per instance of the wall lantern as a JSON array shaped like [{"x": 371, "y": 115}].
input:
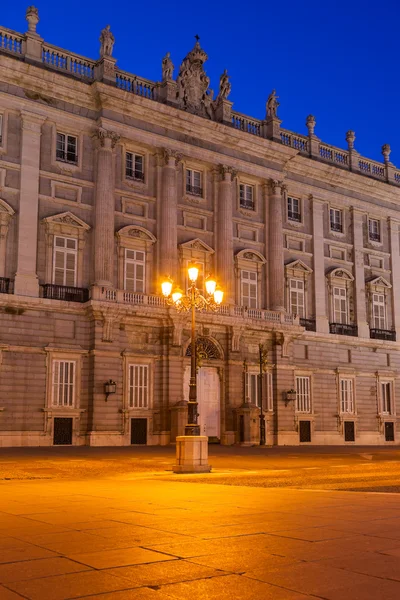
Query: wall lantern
[
  {"x": 290, "y": 396},
  {"x": 110, "y": 387}
]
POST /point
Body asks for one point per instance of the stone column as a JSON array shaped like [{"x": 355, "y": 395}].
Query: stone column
[
  {"x": 225, "y": 264},
  {"x": 168, "y": 212},
  {"x": 359, "y": 275},
  {"x": 26, "y": 280},
  {"x": 321, "y": 318},
  {"x": 104, "y": 210},
  {"x": 394, "y": 231},
  {"x": 275, "y": 258}
]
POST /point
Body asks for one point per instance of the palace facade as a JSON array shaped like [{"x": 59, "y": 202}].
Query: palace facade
[{"x": 108, "y": 183}]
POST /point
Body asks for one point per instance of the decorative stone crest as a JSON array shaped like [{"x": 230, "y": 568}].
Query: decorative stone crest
[
  {"x": 224, "y": 86},
  {"x": 193, "y": 93},
  {"x": 106, "y": 42},
  {"x": 167, "y": 68},
  {"x": 272, "y": 105}
]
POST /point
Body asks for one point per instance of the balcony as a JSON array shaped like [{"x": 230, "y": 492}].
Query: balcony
[
  {"x": 5, "y": 285},
  {"x": 383, "y": 334},
  {"x": 343, "y": 329},
  {"x": 309, "y": 324},
  {"x": 194, "y": 190},
  {"x": 66, "y": 293},
  {"x": 294, "y": 216},
  {"x": 136, "y": 175}
]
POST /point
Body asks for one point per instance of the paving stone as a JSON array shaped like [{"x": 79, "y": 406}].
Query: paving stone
[
  {"x": 369, "y": 563},
  {"x": 22, "y": 553},
  {"x": 6, "y": 594},
  {"x": 119, "y": 558},
  {"x": 31, "y": 569}
]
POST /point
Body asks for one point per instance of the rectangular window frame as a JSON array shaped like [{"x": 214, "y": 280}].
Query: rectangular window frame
[
  {"x": 347, "y": 395},
  {"x": 379, "y": 311},
  {"x": 136, "y": 263},
  {"x": 374, "y": 230},
  {"x": 387, "y": 402},
  {"x": 247, "y": 196},
  {"x": 297, "y": 297},
  {"x": 65, "y": 251},
  {"x": 337, "y": 311},
  {"x": 63, "y": 383},
  {"x": 303, "y": 394},
  {"x": 139, "y": 388},
  {"x": 194, "y": 182},
  {"x": 134, "y": 166},
  {"x": 293, "y": 207},
  {"x": 64, "y": 142},
  {"x": 336, "y": 220},
  {"x": 252, "y": 283},
  {"x": 252, "y": 389}
]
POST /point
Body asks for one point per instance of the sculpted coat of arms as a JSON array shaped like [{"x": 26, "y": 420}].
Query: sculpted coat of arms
[{"x": 193, "y": 84}]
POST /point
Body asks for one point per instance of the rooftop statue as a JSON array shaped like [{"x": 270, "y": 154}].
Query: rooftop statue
[
  {"x": 224, "y": 86},
  {"x": 107, "y": 42},
  {"x": 272, "y": 105},
  {"x": 167, "y": 68}
]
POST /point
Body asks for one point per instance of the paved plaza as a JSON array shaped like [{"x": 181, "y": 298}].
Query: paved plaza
[{"x": 148, "y": 534}]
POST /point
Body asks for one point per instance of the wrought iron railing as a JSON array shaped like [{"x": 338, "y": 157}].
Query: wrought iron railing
[
  {"x": 383, "y": 334},
  {"x": 5, "y": 285},
  {"x": 67, "y": 293},
  {"x": 194, "y": 190},
  {"x": 343, "y": 329},
  {"x": 309, "y": 324}
]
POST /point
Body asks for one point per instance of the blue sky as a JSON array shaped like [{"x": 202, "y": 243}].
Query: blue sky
[{"x": 336, "y": 60}]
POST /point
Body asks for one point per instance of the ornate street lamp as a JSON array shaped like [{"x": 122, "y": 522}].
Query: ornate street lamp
[{"x": 191, "y": 301}]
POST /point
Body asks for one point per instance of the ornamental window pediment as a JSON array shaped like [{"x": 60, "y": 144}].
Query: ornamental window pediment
[
  {"x": 65, "y": 221},
  {"x": 298, "y": 268},
  {"x": 196, "y": 245},
  {"x": 136, "y": 232},
  {"x": 340, "y": 275},
  {"x": 251, "y": 255},
  {"x": 378, "y": 284},
  {"x": 5, "y": 209}
]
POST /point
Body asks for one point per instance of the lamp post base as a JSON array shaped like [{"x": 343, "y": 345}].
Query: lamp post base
[{"x": 191, "y": 454}]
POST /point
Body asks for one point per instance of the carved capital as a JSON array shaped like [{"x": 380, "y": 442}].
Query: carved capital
[
  {"x": 171, "y": 157},
  {"x": 228, "y": 173},
  {"x": 277, "y": 186},
  {"x": 107, "y": 139}
]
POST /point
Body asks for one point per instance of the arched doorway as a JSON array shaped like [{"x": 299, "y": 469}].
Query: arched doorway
[{"x": 208, "y": 387}]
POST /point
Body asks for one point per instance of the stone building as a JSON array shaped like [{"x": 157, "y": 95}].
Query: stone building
[{"x": 109, "y": 182}]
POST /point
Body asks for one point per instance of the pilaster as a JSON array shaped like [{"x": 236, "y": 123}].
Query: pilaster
[
  {"x": 225, "y": 263},
  {"x": 321, "y": 318},
  {"x": 359, "y": 275},
  {"x": 26, "y": 280},
  {"x": 104, "y": 209},
  {"x": 223, "y": 111},
  {"x": 393, "y": 225},
  {"x": 276, "y": 257},
  {"x": 169, "y": 206}
]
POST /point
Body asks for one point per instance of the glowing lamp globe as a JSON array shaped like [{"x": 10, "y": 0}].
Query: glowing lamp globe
[
  {"x": 211, "y": 285},
  {"x": 218, "y": 296},
  {"x": 166, "y": 287},
  {"x": 177, "y": 295},
  {"x": 193, "y": 272}
]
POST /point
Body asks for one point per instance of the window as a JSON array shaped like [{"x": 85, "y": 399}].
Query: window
[
  {"x": 252, "y": 391},
  {"x": 386, "y": 397},
  {"x": 67, "y": 148},
  {"x": 293, "y": 209},
  {"x": 346, "y": 396},
  {"x": 194, "y": 182},
  {"x": 63, "y": 383},
  {"x": 138, "y": 386},
  {"x": 378, "y": 311},
  {"x": 296, "y": 296},
  {"x": 340, "y": 305},
  {"x": 134, "y": 166},
  {"x": 374, "y": 230},
  {"x": 246, "y": 196},
  {"x": 248, "y": 281},
  {"x": 135, "y": 268},
  {"x": 64, "y": 261},
  {"x": 303, "y": 396},
  {"x": 336, "y": 220}
]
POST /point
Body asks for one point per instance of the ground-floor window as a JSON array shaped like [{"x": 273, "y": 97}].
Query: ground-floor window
[
  {"x": 303, "y": 394},
  {"x": 252, "y": 391},
  {"x": 63, "y": 383},
  {"x": 138, "y": 386},
  {"x": 346, "y": 396}
]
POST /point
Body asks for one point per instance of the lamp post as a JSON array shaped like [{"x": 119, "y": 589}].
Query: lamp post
[
  {"x": 263, "y": 357},
  {"x": 191, "y": 301}
]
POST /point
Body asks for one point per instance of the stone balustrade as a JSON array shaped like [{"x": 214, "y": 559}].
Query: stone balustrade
[
  {"x": 52, "y": 57},
  {"x": 112, "y": 295}
]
